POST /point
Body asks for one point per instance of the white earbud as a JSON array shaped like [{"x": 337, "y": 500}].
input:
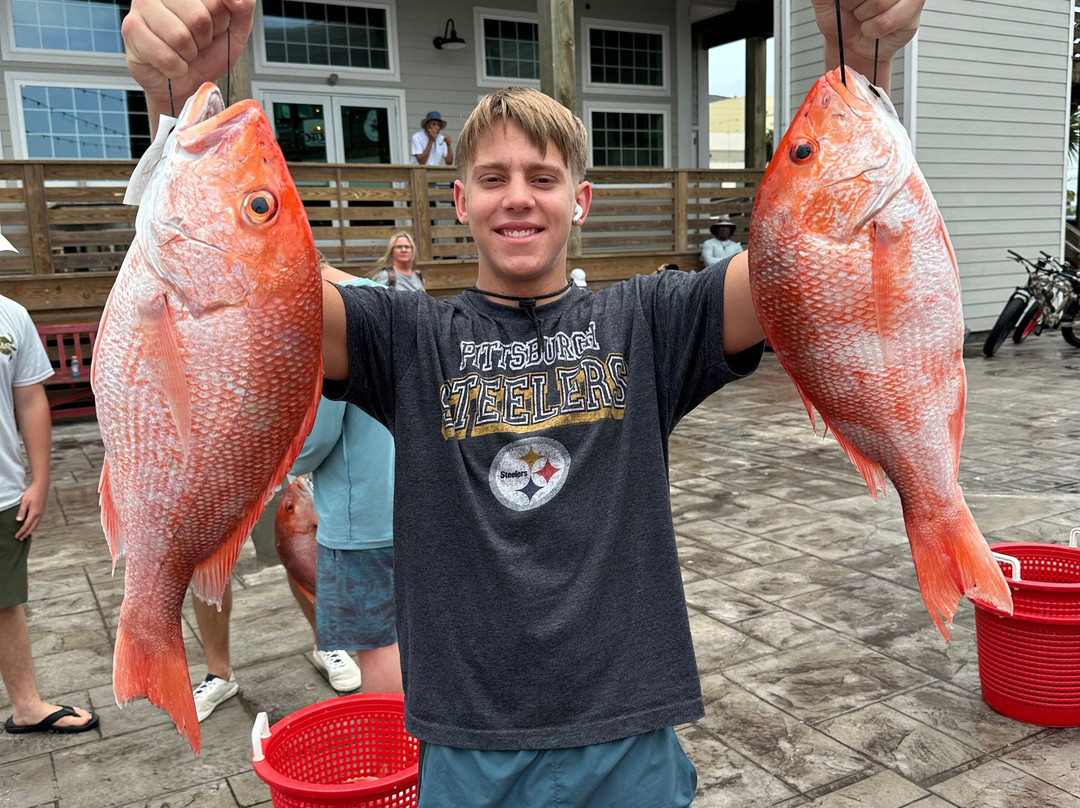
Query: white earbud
[{"x": 578, "y": 213}]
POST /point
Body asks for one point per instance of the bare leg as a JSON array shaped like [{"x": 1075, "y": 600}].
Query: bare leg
[
  {"x": 17, "y": 671},
  {"x": 306, "y": 606},
  {"x": 381, "y": 669},
  {"x": 214, "y": 630}
]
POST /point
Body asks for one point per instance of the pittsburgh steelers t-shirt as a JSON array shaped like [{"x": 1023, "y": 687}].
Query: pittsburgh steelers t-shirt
[{"x": 538, "y": 591}]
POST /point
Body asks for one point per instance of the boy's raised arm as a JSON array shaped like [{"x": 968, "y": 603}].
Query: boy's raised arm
[{"x": 183, "y": 41}]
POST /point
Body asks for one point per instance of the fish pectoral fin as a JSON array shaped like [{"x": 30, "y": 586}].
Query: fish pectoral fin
[
  {"x": 166, "y": 364},
  {"x": 110, "y": 522},
  {"x": 891, "y": 256}
]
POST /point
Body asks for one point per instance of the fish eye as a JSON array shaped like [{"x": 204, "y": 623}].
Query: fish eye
[
  {"x": 260, "y": 207},
  {"x": 802, "y": 152}
]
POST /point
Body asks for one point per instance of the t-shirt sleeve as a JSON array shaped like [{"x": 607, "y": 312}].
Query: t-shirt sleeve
[
  {"x": 419, "y": 143},
  {"x": 370, "y": 321},
  {"x": 686, "y": 310},
  {"x": 31, "y": 362}
]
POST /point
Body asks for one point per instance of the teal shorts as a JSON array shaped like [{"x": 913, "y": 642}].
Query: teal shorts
[
  {"x": 354, "y": 607},
  {"x": 644, "y": 771},
  {"x": 13, "y": 555}
]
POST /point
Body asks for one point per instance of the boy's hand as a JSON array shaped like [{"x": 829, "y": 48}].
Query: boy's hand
[
  {"x": 183, "y": 40},
  {"x": 891, "y": 22},
  {"x": 447, "y": 139}
]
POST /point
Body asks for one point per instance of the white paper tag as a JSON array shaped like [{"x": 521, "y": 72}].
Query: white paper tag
[
  {"x": 5, "y": 245},
  {"x": 140, "y": 177}
]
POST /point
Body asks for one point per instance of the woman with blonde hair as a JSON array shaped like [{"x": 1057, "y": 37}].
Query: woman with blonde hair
[{"x": 395, "y": 268}]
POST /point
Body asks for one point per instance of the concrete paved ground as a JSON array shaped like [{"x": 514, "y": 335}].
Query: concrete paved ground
[{"x": 826, "y": 683}]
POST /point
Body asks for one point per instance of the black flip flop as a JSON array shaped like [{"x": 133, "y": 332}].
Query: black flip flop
[{"x": 48, "y": 723}]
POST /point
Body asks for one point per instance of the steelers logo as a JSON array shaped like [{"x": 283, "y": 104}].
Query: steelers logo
[{"x": 527, "y": 473}]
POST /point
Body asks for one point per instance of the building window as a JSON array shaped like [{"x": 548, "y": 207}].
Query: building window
[
  {"x": 620, "y": 58},
  {"x": 625, "y": 139},
  {"x": 345, "y": 36},
  {"x": 508, "y": 48},
  {"x": 89, "y": 26},
  {"x": 87, "y": 123},
  {"x": 511, "y": 49}
]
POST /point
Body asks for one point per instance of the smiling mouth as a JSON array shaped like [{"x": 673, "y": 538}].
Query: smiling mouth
[{"x": 523, "y": 232}]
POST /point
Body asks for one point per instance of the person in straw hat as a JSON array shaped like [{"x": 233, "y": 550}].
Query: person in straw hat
[
  {"x": 430, "y": 147},
  {"x": 720, "y": 246}
]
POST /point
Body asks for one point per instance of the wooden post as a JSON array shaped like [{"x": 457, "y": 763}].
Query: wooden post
[
  {"x": 755, "y": 102},
  {"x": 37, "y": 218},
  {"x": 558, "y": 78},
  {"x": 421, "y": 212},
  {"x": 679, "y": 218}
]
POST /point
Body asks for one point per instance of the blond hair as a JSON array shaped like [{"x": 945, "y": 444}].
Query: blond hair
[
  {"x": 542, "y": 119},
  {"x": 387, "y": 259}
]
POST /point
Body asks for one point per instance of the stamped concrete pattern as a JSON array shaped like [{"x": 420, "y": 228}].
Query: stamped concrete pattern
[{"x": 825, "y": 682}]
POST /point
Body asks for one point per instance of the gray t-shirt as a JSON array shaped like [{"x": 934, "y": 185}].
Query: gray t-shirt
[
  {"x": 538, "y": 591},
  {"x": 413, "y": 282}
]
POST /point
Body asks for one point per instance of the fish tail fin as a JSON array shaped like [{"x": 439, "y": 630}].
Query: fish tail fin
[
  {"x": 952, "y": 559},
  {"x": 110, "y": 523},
  {"x": 160, "y": 673}
]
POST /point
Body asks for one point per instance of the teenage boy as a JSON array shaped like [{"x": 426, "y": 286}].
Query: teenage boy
[{"x": 545, "y": 643}]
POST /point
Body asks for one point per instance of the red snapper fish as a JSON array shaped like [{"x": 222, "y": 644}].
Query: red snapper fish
[
  {"x": 295, "y": 526},
  {"x": 856, "y": 285},
  {"x": 207, "y": 378}
]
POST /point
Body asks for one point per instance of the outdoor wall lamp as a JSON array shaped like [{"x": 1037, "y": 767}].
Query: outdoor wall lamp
[{"x": 449, "y": 40}]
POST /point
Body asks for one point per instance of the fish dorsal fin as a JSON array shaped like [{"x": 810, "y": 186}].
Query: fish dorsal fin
[
  {"x": 110, "y": 523},
  {"x": 211, "y": 575},
  {"x": 162, "y": 354}
]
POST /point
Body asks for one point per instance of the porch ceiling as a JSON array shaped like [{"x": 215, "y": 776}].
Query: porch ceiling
[{"x": 718, "y": 22}]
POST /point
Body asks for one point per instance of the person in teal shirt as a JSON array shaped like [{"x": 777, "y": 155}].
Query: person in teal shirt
[{"x": 350, "y": 457}]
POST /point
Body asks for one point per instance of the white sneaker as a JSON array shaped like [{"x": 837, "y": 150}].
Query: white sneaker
[
  {"x": 338, "y": 668},
  {"x": 211, "y": 692}
]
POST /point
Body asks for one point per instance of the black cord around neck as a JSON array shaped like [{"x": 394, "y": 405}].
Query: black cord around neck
[{"x": 527, "y": 305}]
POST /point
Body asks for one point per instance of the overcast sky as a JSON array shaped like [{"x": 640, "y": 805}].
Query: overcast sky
[{"x": 727, "y": 68}]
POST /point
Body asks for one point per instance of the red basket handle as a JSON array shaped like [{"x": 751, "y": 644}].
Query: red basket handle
[
  {"x": 259, "y": 730},
  {"x": 1073, "y": 536}
]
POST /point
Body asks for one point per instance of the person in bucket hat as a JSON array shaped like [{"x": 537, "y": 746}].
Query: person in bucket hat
[
  {"x": 430, "y": 147},
  {"x": 721, "y": 245}
]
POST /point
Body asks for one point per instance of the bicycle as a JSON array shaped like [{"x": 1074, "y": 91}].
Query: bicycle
[{"x": 1050, "y": 299}]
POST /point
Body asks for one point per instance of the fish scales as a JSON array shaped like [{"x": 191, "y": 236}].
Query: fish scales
[
  {"x": 856, "y": 285},
  {"x": 207, "y": 377},
  {"x": 296, "y": 526}
]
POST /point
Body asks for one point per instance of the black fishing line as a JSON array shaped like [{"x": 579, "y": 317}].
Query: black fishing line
[
  {"x": 228, "y": 68},
  {"x": 527, "y": 305},
  {"x": 840, "y": 41},
  {"x": 172, "y": 109},
  {"x": 876, "y": 43}
]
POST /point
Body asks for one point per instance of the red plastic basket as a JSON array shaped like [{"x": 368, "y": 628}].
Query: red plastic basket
[
  {"x": 1029, "y": 662},
  {"x": 309, "y": 757}
]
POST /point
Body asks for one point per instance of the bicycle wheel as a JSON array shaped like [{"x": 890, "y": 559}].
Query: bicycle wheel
[
  {"x": 1028, "y": 320},
  {"x": 1071, "y": 332},
  {"x": 1005, "y": 323}
]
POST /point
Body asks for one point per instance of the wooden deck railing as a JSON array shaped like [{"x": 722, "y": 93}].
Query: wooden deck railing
[{"x": 71, "y": 228}]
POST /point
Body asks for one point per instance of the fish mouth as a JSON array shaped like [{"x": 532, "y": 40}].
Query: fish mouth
[
  {"x": 205, "y": 118},
  {"x": 859, "y": 92}
]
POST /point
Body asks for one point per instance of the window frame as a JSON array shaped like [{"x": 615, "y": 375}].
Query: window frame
[
  {"x": 589, "y": 107},
  {"x": 482, "y": 78},
  {"x": 10, "y": 52},
  {"x": 588, "y": 85},
  {"x": 16, "y": 112},
  {"x": 265, "y": 67}
]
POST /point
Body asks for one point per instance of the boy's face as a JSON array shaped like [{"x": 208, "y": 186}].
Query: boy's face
[{"x": 518, "y": 204}]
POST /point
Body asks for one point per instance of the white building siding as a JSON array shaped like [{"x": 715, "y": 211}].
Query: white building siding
[{"x": 993, "y": 87}]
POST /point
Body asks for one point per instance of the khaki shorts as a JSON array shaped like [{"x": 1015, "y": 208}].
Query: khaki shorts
[{"x": 13, "y": 555}]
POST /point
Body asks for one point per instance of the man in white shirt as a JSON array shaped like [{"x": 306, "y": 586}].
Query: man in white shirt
[
  {"x": 24, "y": 365},
  {"x": 430, "y": 147},
  {"x": 720, "y": 246}
]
